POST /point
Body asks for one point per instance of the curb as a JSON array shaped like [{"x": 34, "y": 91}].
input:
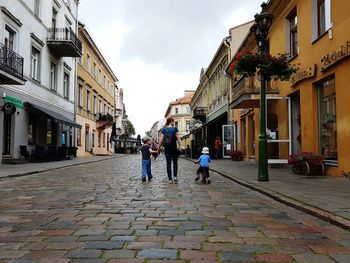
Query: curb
[
  {"x": 306, "y": 208},
  {"x": 56, "y": 168}
]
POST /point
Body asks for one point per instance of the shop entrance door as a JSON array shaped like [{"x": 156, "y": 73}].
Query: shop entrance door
[
  {"x": 228, "y": 140},
  {"x": 7, "y": 134},
  {"x": 278, "y": 129}
]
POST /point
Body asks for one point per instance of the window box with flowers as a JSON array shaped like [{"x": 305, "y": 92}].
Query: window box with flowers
[{"x": 306, "y": 163}]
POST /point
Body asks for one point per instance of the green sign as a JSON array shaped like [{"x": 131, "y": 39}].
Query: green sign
[{"x": 14, "y": 101}]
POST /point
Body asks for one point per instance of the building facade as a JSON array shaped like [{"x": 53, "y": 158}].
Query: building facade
[
  {"x": 210, "y": 103},
  {"x": 308, "y": 113},
  {"x": 39, "y": 50},
  {"x": 95, "y": 99},
  {"x": 180, "y": 111}
]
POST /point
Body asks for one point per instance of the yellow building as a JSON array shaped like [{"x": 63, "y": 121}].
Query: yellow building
[
  {"x": 308, "y": 113},
  {"x": 95, "y": 99}
]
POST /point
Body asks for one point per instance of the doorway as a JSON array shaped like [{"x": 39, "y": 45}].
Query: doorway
[
  {"x": 87, "y": 138},
  {"x": 296, "y": 130},
  {"x": 243, "y": 132},
  {"x": 251, "y": 142},
  {"x": 7, "y": 134}
]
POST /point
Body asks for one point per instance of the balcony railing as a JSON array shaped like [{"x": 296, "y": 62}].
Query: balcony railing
[
  {"x": 200, "y": 112},
  {"x": 63, "y": 42},
  {"x": 104, "y": 117},
  {"x": 12, "y": 66},
  {"x": 245, "y": 88}
]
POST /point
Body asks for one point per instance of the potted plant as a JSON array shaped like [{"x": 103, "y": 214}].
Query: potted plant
[
  {"x": 306, "y": 163},
  {"x": 236, "y": 155}
]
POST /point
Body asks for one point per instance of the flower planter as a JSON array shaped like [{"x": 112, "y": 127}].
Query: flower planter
[
  {"x": 236, "y": 155},
  {"x": 307, "y": 164}
]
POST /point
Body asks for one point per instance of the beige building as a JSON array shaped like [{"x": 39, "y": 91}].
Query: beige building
[
  {"x": 180, "y": 111},
  {"x": 95, "y": 99}
]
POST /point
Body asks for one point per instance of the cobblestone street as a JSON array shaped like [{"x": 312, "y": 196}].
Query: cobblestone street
[{"x": 102, "y": 212}]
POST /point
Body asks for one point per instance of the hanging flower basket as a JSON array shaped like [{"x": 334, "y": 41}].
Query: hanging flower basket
[{"x": 270, "y": 67}]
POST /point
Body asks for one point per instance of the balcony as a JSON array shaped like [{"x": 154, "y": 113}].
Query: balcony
[
  {"x": 63, "y": 42},
  {"x": 246, "y": 92},
  {"x": 104, "y": 121},
  {"x": 11, "y": 67},
  {"x": 200, "y": 113}
]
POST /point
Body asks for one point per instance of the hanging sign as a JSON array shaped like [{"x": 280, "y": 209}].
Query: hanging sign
[
  {"x": 331, "y": 58},
  {"x": 14, "y": 101}
]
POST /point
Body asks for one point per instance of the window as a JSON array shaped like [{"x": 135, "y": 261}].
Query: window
[
  {"x": 104, "y": 82},
  {"x": 323, "y": 16},
  {"x": 108, "y": 87},
  {"x": 104, "y": 139},
  {"x": 176, "y": 110},
  {"x": 49, "y": 129},
  {"x": 35, "y": 63},
  {"x": 94, "y": 105},
  {"x": 187, "y": 126},
  {"x": 54, "y": 19},
  {"x": 104, "y": 108},
  {"x": 95, "y": 72},
  {"x": 293, "y": 33},
  {"x": 99, "y": 105},
  {"x": 53, "y": 76},
  {"x": 188, "y": 110},
  {"x": 327, "y": 120},
  {"x": 99, "y": 76},
  {"x": 88, "y": 63},
  {"x": 99, "y": 139},
  {"x": 9, "y": 38},
  {"x": 88, "y": 107},
  {"x": 31, "y": 132},
  {"x": 36, "y": 7},
  {"x": 93, "y": 138},
  {"x": 80, "y": 95},
  {"x": 79, "y": 136},
  {"x": 66, "y": 85}
]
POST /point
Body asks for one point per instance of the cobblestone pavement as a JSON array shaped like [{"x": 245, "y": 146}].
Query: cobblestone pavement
[{"x": 102, "y": 212}]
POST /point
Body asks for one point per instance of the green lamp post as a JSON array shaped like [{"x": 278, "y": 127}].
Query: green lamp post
[{"x": 260, "y": 29}]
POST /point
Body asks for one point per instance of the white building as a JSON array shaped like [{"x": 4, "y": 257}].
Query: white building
[{"x": 42, "y": 32}]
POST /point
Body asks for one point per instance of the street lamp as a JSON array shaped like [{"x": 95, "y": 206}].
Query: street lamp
[{"x": 260, "y": 28}]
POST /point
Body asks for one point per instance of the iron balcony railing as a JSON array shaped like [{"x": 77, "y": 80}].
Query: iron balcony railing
[
  {"x": 64, "y": 34},
  {"x": 11, "y": 62},
  {"x": 105, "y": 117}
]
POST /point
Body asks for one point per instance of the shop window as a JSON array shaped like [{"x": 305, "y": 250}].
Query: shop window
[
  {"x": 327, "y": 121},
  {"x": 31, "y": 131},
  {"x": 79, "y": 136},
  {"x": 49, "y": 130},
  {"x": 293, "y": 33},
  {"x": 99, "y": 139}
]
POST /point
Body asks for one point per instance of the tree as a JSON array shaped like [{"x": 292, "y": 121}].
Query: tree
[
  {"x": 148, "y": 133},
  {"x": 129, "y": 129}
]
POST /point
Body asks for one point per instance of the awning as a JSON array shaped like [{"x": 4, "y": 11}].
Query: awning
[{"x": 58, "y": 117}]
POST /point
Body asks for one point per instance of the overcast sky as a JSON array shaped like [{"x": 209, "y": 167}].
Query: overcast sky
[{"x": 157, "y": 48}]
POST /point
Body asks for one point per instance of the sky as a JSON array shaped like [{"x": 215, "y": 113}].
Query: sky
[{"x": 157, "y": 48}]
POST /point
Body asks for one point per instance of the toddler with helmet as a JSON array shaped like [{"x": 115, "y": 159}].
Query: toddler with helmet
[{"x": 203, "y": 169}]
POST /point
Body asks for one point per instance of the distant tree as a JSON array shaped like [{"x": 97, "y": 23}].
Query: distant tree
[
  {"x": 148, "y": 133},
  {"x": 129, "y": 129}
]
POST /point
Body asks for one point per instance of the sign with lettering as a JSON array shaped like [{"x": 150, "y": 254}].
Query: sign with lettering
[
  {"x": 331, "y": 58},
  {"x": 302, "y": 74},
  {"x": 14, "y": 101}
]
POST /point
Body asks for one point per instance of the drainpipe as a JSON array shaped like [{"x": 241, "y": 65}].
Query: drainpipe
[{"x": 76, "y": 77}]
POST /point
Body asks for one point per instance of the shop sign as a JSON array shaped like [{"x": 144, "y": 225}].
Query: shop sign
[
  {"x": 17, "y": 103},
  {"x": 331, "y": 58},
  {"x": 302, "y": 74}
]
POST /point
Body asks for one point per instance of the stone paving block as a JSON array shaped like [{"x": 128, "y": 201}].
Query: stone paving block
[
  {"x": 103, "y": 245},
  {"x": 157, "y": 254},
  {"x": 166, "y": 261},
  {"x": 197, "y": 255},
  {"x": 183, "y": 245},
  {"x": 35, "y": 246},
  {"x": 143, "y": 245},
  {"x": 125, "y": 261},
  {"x": 146, "y": 232},
  {"x": 54, "y": 260},
  {"x": 65, "y": 245},
  {"x": 278, "y": 258},
  {"x": 123, "y": 238},
  {"x": 45, "y": 254},
  {"x": 154, "y": 238},
  {"x": 12, "y": 254},
  {"x": 207, "y": 246},
  {"x": 22, "y": 261},
  {"x": 341, "y": 258},
  {"x": 199, "y": 233},
  {"x": 253, "y": 248},
  {"x": 85, "y": 260},
  {"x": 329, "y": 249},
  {"x": 61, "y": 239},
  {"x": 224, "y": 239},
  {"x": 94, "y": 238},
  {"x": 119, "y": 232},
  {"x": 119, "y": 254},
  {"x": 189, "y": 238},
  {"x": 89, "y": 232},
  {"x": 236, "y": 257},
  {"x": 308, "y": 258},
  {"x": 11, "y": 246},
  {"x": 84, "y": 254}
]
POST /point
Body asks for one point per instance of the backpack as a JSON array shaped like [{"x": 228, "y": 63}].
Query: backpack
[{"x": 168, "y": 139}]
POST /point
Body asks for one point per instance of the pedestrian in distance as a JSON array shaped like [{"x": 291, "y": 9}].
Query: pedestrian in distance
[
  {"x": 168, "y": 139},
  {"x": 217, "y": 147},
  {"x": 146, "y": 158},
  {"x": 203, "y": 170}
]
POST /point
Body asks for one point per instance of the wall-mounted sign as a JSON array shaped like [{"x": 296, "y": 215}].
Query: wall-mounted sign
[
  {"x": 302, "y": 74},
  {"x": 331, "y": 58},
  {"x": 14, "y": 101},
  {"x": 9, "y": 108}
]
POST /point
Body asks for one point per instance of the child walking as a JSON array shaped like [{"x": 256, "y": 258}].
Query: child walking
[
  {"x": 146, "y": 158},
  {"x": 203, "y": 169}
]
